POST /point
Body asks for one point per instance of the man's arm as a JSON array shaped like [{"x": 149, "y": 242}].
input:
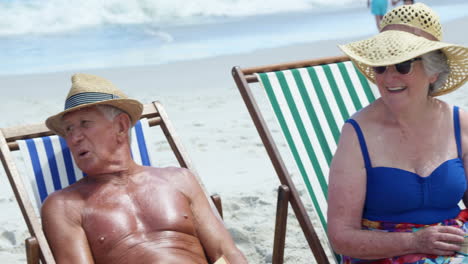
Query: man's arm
[
  {"x": 61, "y": 221},
  {"x": 211, "y": 231}
]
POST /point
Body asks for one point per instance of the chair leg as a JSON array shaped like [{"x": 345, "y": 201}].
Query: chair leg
[
  {"x": 32, "y": 250},
  {"x": 217, "y": 202},
  {"x": 280, "y": 226}
]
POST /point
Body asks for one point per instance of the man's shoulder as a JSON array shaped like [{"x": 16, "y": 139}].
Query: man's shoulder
[
  {"x": 67, "y": 201},
  {"x": 168, "y": 172},
  {"x": 66, "y": 196},
  {"x": 181, "y": 179}
]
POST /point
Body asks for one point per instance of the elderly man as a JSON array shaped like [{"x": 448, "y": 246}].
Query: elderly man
[{"x": 123, "y": 212}]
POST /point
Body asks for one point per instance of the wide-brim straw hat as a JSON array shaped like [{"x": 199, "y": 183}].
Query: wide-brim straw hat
[
  {"x": 90, "y": 90},
  {"x": 409, "y": 31}
]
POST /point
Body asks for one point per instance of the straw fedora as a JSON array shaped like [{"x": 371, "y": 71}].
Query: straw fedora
[
  {"x": 409, "y": 31},
  {"x": 90, "y": 90}
]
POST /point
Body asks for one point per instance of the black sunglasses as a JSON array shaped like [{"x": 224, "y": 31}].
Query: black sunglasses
[{"x": 403, "y": 67}]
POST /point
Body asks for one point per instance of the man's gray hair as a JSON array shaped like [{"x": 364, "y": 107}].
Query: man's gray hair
[
  {"x": 435, "y": 62},
  {"x": 110, "y": 112}
]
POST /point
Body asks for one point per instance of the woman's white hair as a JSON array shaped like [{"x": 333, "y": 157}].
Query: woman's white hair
[
  {"x": 110, "y": 112},
  {"x": 435, "y": 62}
]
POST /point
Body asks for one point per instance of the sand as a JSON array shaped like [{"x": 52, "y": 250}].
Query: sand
[{"x": 214, "y": 126}]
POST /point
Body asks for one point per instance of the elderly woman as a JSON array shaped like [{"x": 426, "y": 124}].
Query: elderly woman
[{"x": 400, "y": 166}]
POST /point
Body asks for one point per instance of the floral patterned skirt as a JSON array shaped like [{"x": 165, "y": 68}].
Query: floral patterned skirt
[{"x": 460, "y": 221}]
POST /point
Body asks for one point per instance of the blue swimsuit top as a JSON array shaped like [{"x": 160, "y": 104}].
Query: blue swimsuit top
[{"x": 400, "y": 196}]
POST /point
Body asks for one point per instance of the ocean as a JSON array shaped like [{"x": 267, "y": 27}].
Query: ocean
[{"x": 38, "y": 36}]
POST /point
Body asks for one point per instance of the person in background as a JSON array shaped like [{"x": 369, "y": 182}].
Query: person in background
[
  {"x": 122, "y": 212},
  {"x": 400, "y": 168},
  {"x": 405, "y": 2},
  {"x": 378, "y": 9}
]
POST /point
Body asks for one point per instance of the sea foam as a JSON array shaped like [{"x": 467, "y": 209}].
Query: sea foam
[{"x": 55, "y": 16}]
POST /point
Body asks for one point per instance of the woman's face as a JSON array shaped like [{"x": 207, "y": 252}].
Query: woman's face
[{"x": 401, "y": 90}]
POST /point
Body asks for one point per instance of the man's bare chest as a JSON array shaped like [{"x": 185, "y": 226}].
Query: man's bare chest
[{"x": 112, "y": 219}]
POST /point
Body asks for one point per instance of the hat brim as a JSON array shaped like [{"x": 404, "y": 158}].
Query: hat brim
[
  {"x": 132, "y": 107},
  {"x": 393, "y": 46}
]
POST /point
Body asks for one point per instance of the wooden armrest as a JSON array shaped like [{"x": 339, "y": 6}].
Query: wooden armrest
[
  {"x": 32, "y": 250},
  {"x": 280, "y": 226},
  {"x": 217, "y": 202}
]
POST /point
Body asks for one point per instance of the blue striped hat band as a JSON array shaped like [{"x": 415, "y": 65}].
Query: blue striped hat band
[{"x": 88, "y": 98}]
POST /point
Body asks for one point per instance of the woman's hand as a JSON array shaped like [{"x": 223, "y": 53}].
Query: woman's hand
[{"x": 439, "y": 240}]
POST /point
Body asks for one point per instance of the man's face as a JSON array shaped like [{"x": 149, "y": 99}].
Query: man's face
[{"x": 91, "y": 138}]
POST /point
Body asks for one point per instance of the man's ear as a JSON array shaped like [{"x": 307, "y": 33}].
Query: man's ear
[{"x": 122, "y": 121}]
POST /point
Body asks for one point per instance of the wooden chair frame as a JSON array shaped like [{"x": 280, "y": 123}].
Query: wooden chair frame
[
  {"x": 37, "y": 246},
  {"x": 287, "y": 191}
]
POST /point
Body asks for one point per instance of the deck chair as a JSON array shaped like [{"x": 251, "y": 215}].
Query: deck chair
[
  {"x": 53, "y": 168},
  {"x": 310, "y": 101}
]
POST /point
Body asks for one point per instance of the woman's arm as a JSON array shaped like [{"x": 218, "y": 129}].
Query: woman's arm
[{"x": 464, "y": 143}]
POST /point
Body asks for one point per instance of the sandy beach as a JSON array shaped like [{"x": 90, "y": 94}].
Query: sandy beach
[{"x": 215, "y": 128}]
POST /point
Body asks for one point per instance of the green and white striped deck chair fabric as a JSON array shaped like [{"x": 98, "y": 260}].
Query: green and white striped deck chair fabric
[{"x": 311, "y": 105}]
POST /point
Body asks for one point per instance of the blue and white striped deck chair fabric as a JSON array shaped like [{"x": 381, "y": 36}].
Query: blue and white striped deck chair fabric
[
  {"x": 311, "y": 105},
  {"x": 50, "y": 166}
]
